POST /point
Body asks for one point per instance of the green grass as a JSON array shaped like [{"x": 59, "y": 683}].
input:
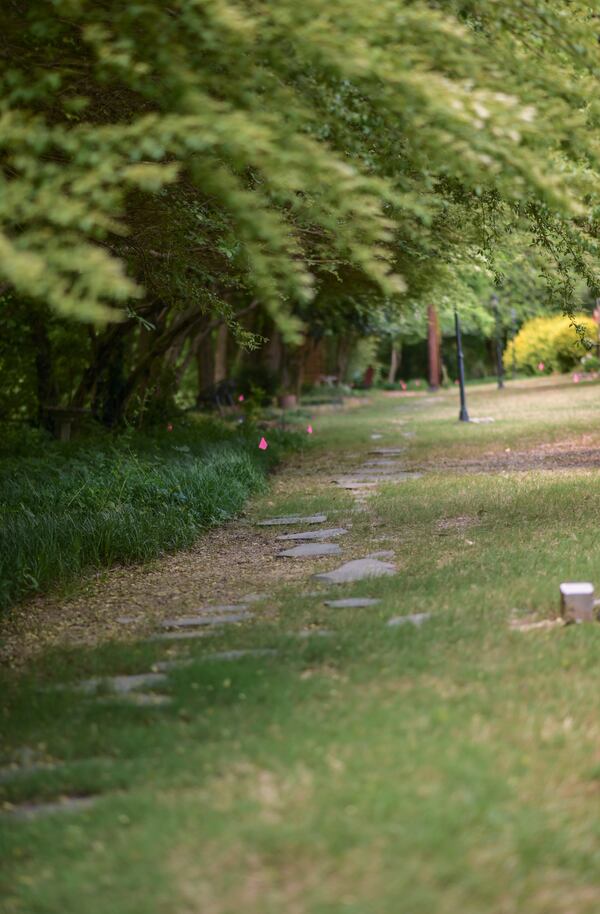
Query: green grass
[
  {"x": 450, "y": 768},
  {"x": 122, "y": 499}
]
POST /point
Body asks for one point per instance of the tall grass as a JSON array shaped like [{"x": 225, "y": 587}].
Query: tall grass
[{"x": 120, "y": 500}]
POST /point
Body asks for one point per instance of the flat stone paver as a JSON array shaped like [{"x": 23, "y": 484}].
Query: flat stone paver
[
  {"x": 11, "y": 772},
  {"x": 413, "y": 619},
  {"x": 370, "y": 480},
  {"x": 351, "y": 482},
  {"x": 218, "y": 655},
  {"x": 165, "y": 666},
  {"x": 368, "y": 469},
  {"x": 357, "y": 570},
  {"x": 313, "y": 633},
  {"x": 237, "y": 655},
  {"x": 352, "y": 602},
  {"x": 292, "y": 519},
  {"x": 140, "y": 699},
  {"x": 310, "y": 550},
  {"x": 179, "y": 636},
  {"x": 121, "y": 684},
  {"x": 383, "y": 462},
  {"x": 36, "y": 810},
  {"x": 201, "y": 619},
  {"x": 312, "y": 534},
  {"x": 388, "y": 451}
]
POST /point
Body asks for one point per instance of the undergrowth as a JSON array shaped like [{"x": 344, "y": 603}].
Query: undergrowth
[{"x": 120, "y": 499}]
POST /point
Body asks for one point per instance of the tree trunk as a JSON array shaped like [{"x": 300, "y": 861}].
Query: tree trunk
[
  {"x": 433, "y": 347},
  {"x": 220, "y": 354},
  {"x": 395, "y": 359},
  {"x": 44, "y": 373},
  {"x": 109, "y": 391},
  {"x": 205, "y": 365},
  {"x": 343, "y": 357}
]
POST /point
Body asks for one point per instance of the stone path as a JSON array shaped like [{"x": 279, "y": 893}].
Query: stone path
[
  {"x": 356, "y": 570},
  {"x": 310, "y": 550},
  {"x": 150, "y": 689},
  {"x": 223, "y": 618},
  {"x": 292, "y": 519},
  {"x": 313, "y": 534}
]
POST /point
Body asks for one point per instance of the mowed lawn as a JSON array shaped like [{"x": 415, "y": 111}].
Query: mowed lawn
[{"x": 452, "y": 768}]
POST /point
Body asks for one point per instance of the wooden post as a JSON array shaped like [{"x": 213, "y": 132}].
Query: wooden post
[{"x": 433, "y": 348}]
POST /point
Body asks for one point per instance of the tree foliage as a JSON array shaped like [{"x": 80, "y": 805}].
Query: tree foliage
[{"x": 167, "y": 167}]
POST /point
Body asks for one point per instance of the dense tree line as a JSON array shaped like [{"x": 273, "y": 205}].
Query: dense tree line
[{"x": 189, "y": 180}]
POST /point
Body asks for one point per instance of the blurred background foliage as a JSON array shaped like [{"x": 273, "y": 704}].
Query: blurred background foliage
[{"x": 212, "y": 189}]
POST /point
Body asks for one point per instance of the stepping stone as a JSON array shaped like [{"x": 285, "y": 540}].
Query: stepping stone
[
  {"x": 382, "y": 462},
  {"x": 483, "y": 420},
  {"x": 388, "y": 451},
  {"x": 371, "y": 480},
  {"x": 382, "y": 554},
  {"x": 165, "y": 666},
  {"x": 313, "y": 632},
  {"x": 352, "y": 602},
  {"x": 126, "y": 620},
  {"x": 414, "y": 619},
  {"x": 292, "y": 519},
  {"x": 353, "y": 483},
  {"x": 376, "y": 436},
  {"x": 310, "y": 550},
  {"x": 219, "y": 655},
  {"x": 179, "y": 636},
  {"x": 357, "y": 570},
  {"x": 121, "y": 684},
  {"x": 252, "y": 597},
  {"x": 10, "y": 772},
  {"x": 313, "y": 534},
  {"x": 236, "y": 655},
  {"x": 35, "y": 810},
  {"x": 197, "y": 620},
  {"x": 140, "y": 699},
  {"x": 377, "y": 473}
]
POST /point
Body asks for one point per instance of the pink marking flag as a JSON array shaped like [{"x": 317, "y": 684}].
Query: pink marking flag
[
  {"x": 169, "y": 427},
  {"x": 309, "y": 429},
  {"x": 241, "y": 398},
  {"x": 263, "y": 444},
  {"x": 541, "y": 366}
]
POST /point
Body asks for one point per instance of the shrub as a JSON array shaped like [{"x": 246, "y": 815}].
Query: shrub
[{"x": 549, "y": 341}]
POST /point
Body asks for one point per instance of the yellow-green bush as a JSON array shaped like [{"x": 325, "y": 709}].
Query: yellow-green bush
[{"x": 552, "y": 341}]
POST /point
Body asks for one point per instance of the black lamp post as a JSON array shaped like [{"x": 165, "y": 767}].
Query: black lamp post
[
  {"x": 463, "y": 416},
  {"x": 499, "y": 365}
]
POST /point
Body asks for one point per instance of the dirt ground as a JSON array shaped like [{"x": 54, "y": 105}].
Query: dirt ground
[{"x": 225, "y": 565}]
